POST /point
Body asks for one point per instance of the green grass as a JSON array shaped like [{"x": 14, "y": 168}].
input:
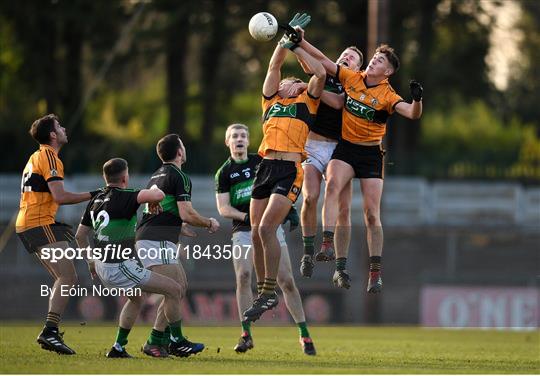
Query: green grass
[{"x": 340, "y": 350}]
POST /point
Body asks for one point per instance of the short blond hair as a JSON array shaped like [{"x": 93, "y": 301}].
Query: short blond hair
[{"x": 235, "y": 126}]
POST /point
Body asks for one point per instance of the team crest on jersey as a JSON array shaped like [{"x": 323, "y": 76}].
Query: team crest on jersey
[{"x": 54, "y": 172}]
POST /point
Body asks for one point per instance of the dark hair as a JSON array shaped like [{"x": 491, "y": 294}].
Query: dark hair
[
  {"x": 390, "y": 55},
  {"x": 114, "y": 169},
  {"x": 168, "y": 146},
  {"x": 357, "y": 50},
  {"x": 41, "y": 128}
]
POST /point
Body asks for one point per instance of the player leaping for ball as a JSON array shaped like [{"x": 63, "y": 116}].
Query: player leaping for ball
[
  {"x": 367, "y": 103},
  {"x": 234, "y": 182},
  {"x": 278, "y": 180}
]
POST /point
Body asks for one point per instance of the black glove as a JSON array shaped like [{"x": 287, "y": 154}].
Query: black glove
[
  {"x": 416, "y": 90},
  {"x": 292, "y": 218},
  {"x": 247, "y": 220}
]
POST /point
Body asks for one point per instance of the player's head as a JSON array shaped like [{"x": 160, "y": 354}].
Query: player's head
[
  {"x": 384, "y": 63},
  {"x": 237, "y": 138},
  {"x": 171, "y": 149},
  {"x": 285, "y": 85},
  {"x": 47, "y": 130},
  {"x": 115, "y": 172},
  {"x": 352, "y": 58}
]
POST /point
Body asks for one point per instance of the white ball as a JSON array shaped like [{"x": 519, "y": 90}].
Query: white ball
[{"x": 263, "y": 26}]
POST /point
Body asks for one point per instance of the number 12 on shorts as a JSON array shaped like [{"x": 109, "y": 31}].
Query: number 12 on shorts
[{"x": 217, "y": 252}]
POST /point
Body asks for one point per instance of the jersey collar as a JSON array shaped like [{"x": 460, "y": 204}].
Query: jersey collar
[{"x": 49, "y": 147}]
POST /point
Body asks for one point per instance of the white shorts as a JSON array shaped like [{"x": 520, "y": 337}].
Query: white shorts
[
  {"x": 319, "y": 153},
  {"x": 126, "y": 274},
  {"x": 155, "y": 252},
  {"x": 241, "y": 238}
]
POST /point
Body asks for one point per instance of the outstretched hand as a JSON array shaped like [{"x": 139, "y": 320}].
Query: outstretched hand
[{"x": 416, "y": 90}]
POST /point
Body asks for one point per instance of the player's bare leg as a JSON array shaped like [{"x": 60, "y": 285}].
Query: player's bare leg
[
  {"x": 338, "y": 175},
  {"x": 162, "y": 340},
  {"x": 311, "y": 190},
  {"x": 342, "y": 237},
  {"x": 243, "y": 268},
  {"x": 64, "y": 274},
  {"x": 293, "y": 300},
  {"x": 372, "y": 193},
  {"x": 276, "y": 211},
  {"x": 256, "y": 211},
  {"x": 127, "y": 319}
]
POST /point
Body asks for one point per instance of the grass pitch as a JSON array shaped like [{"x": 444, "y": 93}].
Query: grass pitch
[{"x": 277, "y": 350}]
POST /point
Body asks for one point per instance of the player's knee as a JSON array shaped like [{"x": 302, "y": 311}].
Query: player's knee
[
  {"x": 69, "y": 278},
  {"x": 267, "y": 232},
  {"x": 175, "y": 291},
  {"x": 332, "y": 188},
  {"x": 311, "y": 198},
  {"x": 243, "y": 278},
  {"x": 255, "y": 235},
  {"x": 287, "y": 285},
  {"x": 372, "y": 217}
]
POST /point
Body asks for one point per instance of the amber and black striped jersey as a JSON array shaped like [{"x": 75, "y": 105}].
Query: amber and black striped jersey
[
  {"x": 37, "y": 207},
  {"x": 113, "y": 216},
  {"x": 166, "y": 225},
  {"x": 366, "y": 108},
  {"x": 286, "y": 122},
  {"x": 236, "y": 178},
  {"x": 328, "y": 120}
]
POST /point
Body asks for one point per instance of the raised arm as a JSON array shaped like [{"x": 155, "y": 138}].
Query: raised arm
[
  {"x": 412, "y": 110},
  {"x": 273, "y": 75},
  {"x": 316, "y": 83},
  {"x": 329, "y": 65}
]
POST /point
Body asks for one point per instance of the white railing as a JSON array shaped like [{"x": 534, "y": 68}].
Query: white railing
[{"x": 406, "y": 200}]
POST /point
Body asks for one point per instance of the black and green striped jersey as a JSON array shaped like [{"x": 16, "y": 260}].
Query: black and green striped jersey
[
  {"x": 167, "y": 225},
  {"x": 236, "y": 178},
  {"x": 113, "y": 215}
]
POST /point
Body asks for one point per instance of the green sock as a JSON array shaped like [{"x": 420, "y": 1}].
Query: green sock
[
  {"x": 309, "y": 247},
  {"x": 246, "y": 327},
  {"x": 302, "y": 328},
  {"x": 166, "y": 336},
  {"x": 341, "y": 263},
  {"x": 155, "y": 337},
  {"x": 121, "y": 336},
  {"x": 176, "y": 331}
]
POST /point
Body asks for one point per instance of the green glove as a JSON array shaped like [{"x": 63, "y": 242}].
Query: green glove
[
  {"x": 301, "y": 20},
  {"x": 292, "y": 218}
]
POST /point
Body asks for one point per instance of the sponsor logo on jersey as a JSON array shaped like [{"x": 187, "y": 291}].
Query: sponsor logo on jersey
[{"x": 359, "y": 109}]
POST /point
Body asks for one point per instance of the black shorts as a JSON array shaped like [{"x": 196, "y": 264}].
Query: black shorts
[
  {"x": 278, "y": 176},
  {"x": 366, "y": 161},
  {"x": 37, "y": 237}
]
